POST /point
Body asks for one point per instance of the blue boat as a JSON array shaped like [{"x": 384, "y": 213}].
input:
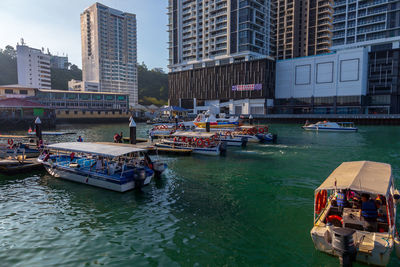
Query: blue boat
[{"x": 118, "y": 168}]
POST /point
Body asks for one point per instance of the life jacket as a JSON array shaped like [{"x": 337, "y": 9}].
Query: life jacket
[
  {"x": 340, "y": 199},
  {"x": 369, "y": 210}
]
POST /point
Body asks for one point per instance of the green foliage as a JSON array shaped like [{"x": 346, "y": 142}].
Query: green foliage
[
  {"x": 153, "y": 86},
  {"x": 60, "y": 77},
  {"x": 8, "y": 66}
]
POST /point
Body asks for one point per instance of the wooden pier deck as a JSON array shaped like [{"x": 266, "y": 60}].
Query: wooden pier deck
[{"x": 13, "y": 166}]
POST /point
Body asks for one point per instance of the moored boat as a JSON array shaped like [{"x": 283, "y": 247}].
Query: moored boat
[
  {"x": 352, "y": 230},
  {"x": 327, "y": 126},
  {"x": 117, "y": 168},
  {"x": 204, "y": 143},
  {"x": 215, "y": 122}
]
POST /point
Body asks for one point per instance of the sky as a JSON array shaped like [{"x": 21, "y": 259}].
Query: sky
[{"x": 55, "y": 24}]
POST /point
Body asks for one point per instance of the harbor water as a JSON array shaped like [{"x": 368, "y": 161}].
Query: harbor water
[{"x": 252, "y": 207}]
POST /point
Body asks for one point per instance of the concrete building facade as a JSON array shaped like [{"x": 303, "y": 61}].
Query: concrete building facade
[
  {"x": 327, "y": 84},
  {"x": 365, "y": 22},
  {"x": 109, "y": 50},
  {"x": 213, "y": 32},
  {"x": 58, "y": 62},
  {"x": 74, "y": 85},
  {"x": 303, "y": 28},
  {"x": 33, "y": 67}
]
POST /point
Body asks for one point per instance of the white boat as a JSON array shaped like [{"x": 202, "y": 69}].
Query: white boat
[
  {"x": 327, "y": 126},
  {"x": 349, "y": 231},
  {"x": 118, "y": 168},
  {"x": 251, "y": 134},
  {"x": 215, "y": 122},
  {"x": 198, "y": 142}
]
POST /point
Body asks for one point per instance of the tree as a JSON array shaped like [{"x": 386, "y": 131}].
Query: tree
[
  {"x": 8, "y": 66},
  {"x": 152, "y": 85}
]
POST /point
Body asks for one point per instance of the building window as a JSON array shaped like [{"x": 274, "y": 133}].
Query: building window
[
  {"x": 9, "y": 91},
  {"x": 23, "y": 92}
]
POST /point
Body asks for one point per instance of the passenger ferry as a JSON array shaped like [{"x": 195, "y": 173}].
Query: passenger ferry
[
  {"x": 252, "y": 134},
  {"x": 118, "y": 168},
  {"x": 355, "y": 213},
  {"x": 326, "y": 126},
  {"x": 221, "y": 122},
  {"x": 199, "y": 142},
  {"x": 256, "y": 134}
]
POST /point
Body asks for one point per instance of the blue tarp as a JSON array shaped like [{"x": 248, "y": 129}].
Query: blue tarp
[{"x": 174, "y": 108}]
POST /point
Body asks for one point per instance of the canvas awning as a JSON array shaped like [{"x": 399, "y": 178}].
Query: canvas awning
[
  {"x": 362, "y": 176},
  {"x": 95, "y": 148}
]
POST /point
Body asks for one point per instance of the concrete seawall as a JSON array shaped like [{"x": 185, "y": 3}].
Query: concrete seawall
[{"x": 361, "y": 119}]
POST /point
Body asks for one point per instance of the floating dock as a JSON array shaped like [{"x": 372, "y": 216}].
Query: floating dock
[{"x": 13, "y": 166}]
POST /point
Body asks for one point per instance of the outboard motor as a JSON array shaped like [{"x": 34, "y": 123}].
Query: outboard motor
[
  {"x": 244, "y": 141},
  {"x": 343, "y": 245},
  {"x": 223, "y": 148},
  {"x": 274, "y": 138}
]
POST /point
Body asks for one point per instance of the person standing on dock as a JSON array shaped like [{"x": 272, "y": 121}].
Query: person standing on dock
[
  {"x": 151, "y": 136},
  {"x": 80, "y": 139}
]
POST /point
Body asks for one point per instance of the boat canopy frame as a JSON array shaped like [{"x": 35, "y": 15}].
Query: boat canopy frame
[
  {"x": 95, "y": 148},
  {"x": 360, "y": 176}
]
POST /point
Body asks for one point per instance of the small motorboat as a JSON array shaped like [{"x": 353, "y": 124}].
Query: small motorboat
[
  {"x": 114, "y": 167},
  {"x": 256, "y": 134},
  {"x": 355, "y": 213},
  {"x": 327, "y": 126},
  {"x": 198, "y": 142}
]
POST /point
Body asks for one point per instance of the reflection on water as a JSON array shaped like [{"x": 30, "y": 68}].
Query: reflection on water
[{"x": 251, "y": 207}]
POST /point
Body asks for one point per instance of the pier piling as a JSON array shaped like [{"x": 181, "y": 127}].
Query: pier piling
[
  {"x": 251, "y": 120},
  {"x": 38, "y": 128},
  {"x": 132, "y": 131}
]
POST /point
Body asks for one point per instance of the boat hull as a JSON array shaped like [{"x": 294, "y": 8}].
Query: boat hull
[
  {"x": 323, "y": 129},
  {"x": 217, "y": 124},
  {"x": 92, "y": 179},
  {"x": 213, "y": 151},
  {"x": 379, "y": 256}
]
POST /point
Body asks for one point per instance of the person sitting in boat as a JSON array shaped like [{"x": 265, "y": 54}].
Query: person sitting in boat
[
  {"x": 341, "y": 200},
  {"x": 379, "y": 201},
  {"x": 369, "y": 213},
  {"x": 99, "y": 164}
]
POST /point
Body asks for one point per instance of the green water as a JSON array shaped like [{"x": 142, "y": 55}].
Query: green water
[{"x": 252, "y": 207}]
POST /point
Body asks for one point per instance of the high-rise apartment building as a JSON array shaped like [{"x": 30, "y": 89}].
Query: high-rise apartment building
[
  {"x": 109, "y": 52},
  {"x": 212, "y": 32},
  {"x": 59, "y": 62},
  {"x": 365, "y": 22},
  {"x": 303, "y": 27},
  {"x": 33, "y": 67}
]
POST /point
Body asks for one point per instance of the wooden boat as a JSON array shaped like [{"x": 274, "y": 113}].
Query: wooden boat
[
  {"x": 348, "y": 231},
  {"x": 198, "y": 142},
  {"x": 326, "y": 126},
  {"x": 118, "y": 168}
]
